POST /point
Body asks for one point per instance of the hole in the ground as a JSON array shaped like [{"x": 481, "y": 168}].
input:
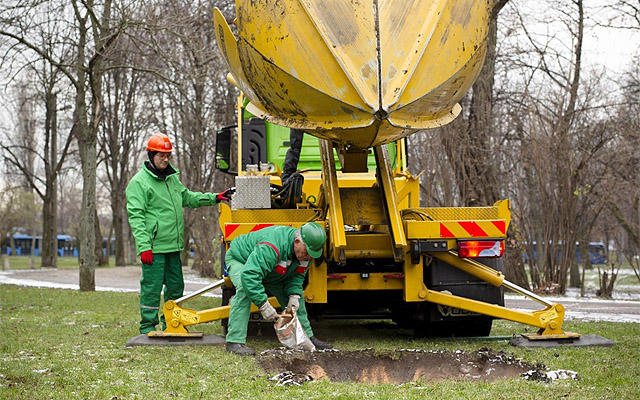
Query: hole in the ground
[{"x": 400, "y": 366}]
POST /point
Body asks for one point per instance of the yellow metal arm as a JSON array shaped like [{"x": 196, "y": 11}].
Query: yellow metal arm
[
  {"x": 472, "y": 267},
  {"x": 178, "y": 318},
  {"x": 332, "y": 193},
  {"x": 390, "y": 197},
  {"x": 549, "y": 320}
]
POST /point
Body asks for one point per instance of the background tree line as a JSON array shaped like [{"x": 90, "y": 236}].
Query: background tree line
[{"x": 86, "y": 82}]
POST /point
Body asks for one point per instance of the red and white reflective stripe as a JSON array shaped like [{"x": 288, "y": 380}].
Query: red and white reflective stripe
[
  {"x": 273, "y": 247},
  {"x": 302, "y": 267},
  {"x": 475, "y": 229},
  {"x": 281, "y": 268},
  {"x": 231, "y": 231}
]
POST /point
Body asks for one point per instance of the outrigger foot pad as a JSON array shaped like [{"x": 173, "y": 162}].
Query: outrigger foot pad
[
  {"x": 583, "y": 340},
  {"x": 146, "y": 340}
]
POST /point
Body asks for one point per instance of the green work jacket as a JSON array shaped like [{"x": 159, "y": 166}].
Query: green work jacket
[
  {"x": 155, "y": 207},
  {"x": 268, "y": 258}
]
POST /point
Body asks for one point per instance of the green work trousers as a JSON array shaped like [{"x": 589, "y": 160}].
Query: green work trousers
[
  {"x": 241, "y": 305},
  {"x": 166, "y": 270}
]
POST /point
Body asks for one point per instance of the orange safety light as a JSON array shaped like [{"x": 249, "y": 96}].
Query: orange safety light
[{"x": 480, "y": 248}]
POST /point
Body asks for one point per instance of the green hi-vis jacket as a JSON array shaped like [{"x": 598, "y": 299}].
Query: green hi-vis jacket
[
  {"x": 268, "y": 258},
  {"x": 155, "y": 209}
]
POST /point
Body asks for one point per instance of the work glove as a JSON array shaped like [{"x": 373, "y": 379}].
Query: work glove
[
  {"x": 294, "y": 303},
  {"x": 224, "y": 196},
  {"x": 146, "y": 257},
  {"x": 268, "y": 312}
]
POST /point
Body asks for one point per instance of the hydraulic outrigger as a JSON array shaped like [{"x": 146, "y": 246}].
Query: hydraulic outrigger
[{"x": 549, "y": 320}]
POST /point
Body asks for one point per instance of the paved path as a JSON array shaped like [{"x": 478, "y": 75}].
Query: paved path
[
  {"x": 114, "y": 279},
  {"x": 592, "y": 309},
  {"x": 127, "y": 279}
]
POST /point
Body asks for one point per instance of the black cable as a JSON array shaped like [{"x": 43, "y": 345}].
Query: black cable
[{"x": 288, "y": 194}]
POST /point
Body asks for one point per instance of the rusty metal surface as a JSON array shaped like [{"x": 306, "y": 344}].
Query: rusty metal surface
[{"x": 361, "y": 72}]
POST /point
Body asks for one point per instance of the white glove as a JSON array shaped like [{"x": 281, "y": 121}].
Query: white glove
[
  {"x": 268, "y": 312},
  {"x": 294, "y": 303}
]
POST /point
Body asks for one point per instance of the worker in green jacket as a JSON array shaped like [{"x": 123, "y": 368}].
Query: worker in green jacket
[
  {"x": 274, "y": 259},
  {"x": 155, "y": 198}
]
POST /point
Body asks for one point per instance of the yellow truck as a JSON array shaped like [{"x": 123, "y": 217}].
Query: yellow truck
[{"x": 358, "y": 77}]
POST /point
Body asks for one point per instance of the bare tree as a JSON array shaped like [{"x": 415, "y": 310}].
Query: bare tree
[
  {"x": 22, "y": 150},
  {"x": 17, "y": 209},
  {"x": 194, "y": 100},
  {"x": 92, "y": 33},
  {"x": 118, "y": 139},
  {"x": 623, "y": 200}
]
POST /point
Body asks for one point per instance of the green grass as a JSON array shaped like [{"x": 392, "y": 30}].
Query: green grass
[
  {"x": 22, "y": 262},
  {"x": 63, "y": 344}
]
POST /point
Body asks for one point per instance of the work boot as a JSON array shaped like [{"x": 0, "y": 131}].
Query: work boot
[
  {"x": 320, "y": 345},
  {"x": 240, "y": 349}
]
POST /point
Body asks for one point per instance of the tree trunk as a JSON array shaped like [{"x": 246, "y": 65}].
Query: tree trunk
[
  {"x": 108, "y": 251},
  {"x": 88, "y": 157},
  {"x": 130, "y": 247},
  {"x": 87, "y": 240},
  {"x": 12, "y": 243},
  {"x": 32, "y": 255},
  {"x": 480, "y": 171},
  {"x": 101, "y": 258},
  {"x": 49, "y": 246},
  {"x": 575, "y": 280},
  {"x": 117, "y": 209},
  {"x": 203, "y": 238},
  {"x": 574, "y": 274}
]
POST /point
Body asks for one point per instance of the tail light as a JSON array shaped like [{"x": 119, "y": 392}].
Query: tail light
[{"x": 480, "y": 248}]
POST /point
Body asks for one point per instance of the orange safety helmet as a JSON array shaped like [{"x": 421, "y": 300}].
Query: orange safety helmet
[{"x": 159, "y": 142}]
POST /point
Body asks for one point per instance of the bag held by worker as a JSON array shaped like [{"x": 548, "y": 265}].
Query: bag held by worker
[{"x": 291, "y": 334}]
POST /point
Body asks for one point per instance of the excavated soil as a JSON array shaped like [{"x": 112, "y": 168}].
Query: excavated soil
[{"x": 400, "y": 366}]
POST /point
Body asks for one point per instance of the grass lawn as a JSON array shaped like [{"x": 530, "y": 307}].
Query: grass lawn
[
  {"x": 22, "y": 262},
  {"x": 64, "y": 344}
]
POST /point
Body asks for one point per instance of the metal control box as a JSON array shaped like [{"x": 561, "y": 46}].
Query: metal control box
[{"x": 252, "y": 192}]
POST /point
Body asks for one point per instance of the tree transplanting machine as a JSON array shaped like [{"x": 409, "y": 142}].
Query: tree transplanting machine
[{"x": 358, "y": 78}]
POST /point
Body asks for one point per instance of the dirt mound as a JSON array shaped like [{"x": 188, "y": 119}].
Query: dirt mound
[{"x": 400, "y": 366}]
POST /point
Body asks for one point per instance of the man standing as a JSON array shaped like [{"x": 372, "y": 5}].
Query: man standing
[
  {"x": 274, "y": 259},
  {"x": 155, "y": 198}
]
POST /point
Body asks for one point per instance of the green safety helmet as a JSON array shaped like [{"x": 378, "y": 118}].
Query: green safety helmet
[{"x": 314, "y": 238}]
